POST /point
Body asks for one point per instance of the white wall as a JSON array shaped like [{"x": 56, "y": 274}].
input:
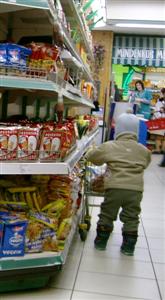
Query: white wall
[{"x": 149, "y": 10}]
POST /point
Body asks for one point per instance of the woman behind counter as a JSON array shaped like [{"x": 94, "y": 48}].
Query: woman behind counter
[{"x": 142, "y": 98}]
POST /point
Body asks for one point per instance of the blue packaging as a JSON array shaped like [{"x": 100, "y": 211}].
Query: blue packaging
[
  {"x": 1, "y": 236},
  {"x": 13, "y": 54},
  {"x": 3, "y": 54},
  {"x": 17, "y": 55},
  {"x": 14, "y": 239}
]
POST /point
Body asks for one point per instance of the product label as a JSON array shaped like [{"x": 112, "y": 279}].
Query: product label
[{"x": 14, "y": 239}]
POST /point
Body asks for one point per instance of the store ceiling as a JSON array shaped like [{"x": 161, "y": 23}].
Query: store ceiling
[{"x": 133, "y": 11}]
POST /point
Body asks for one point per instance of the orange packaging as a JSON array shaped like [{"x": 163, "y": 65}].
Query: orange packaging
[
  {"x": 8, "y": 143},
  {"x": 28, "y": 139}
]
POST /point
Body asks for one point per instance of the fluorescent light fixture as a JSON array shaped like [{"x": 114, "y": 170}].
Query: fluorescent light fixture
[{"x": 139, "y": 25}]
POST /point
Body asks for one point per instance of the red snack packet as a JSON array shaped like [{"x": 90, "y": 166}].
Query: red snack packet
[
  {"x": 28, "y": 139},
  {"x": 8, "y": 143},
  {"x": 51, "y": 142}
]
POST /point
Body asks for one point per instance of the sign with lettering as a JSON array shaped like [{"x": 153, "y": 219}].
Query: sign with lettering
[{"x": 141, "y": 51}]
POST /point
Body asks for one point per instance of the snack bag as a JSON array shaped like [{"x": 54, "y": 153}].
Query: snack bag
[
  {"x": 3, "y": 55},
  {"x": 44, "y": 219},
  {"x": 51, "y": 145},
  {"x": 49, "y": 240},
  {"x": 64, "y": 229},
  {"x": 1, "y": 235},
  {"x": 14, "y": 238},
  {"x": 33, "y": 242},
  {"x": 28, "y": 139},
  {"x": 13, "y": 54},
  {"x": 8, "y": 143},
  {"x": 13, "y": 201}
]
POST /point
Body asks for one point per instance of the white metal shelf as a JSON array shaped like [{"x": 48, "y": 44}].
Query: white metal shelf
[
  {"x": 44, "y": 259},
  {"x": 71, "y": 11},
  {"x": 16, "y": 5},
  {"x": 32, "y": 85},
  {"x": 29, "y": 168},
  {"x": 69, "y": 42}
]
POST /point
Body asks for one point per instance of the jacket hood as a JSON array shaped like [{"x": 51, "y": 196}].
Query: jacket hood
[
  {"x": 127, "y": 124},
  {"x": 127, "y": 137}
]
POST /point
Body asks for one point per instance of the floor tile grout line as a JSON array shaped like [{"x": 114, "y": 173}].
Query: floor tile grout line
[
  {"x": 114, "y": 295},
  {"x": 152, "y": 263},
  {"x": 77, "y": 272},
  {"x": 118, "y": 275},
  {"x": 78, "y": 265}
]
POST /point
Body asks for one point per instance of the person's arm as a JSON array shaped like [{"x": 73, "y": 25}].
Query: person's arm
[
  {"x": 148, "y": 158},
  {"x": 99, "y": 155},
  {"x": 146, "y": 98},
  {"x": 132, "y": 97}
]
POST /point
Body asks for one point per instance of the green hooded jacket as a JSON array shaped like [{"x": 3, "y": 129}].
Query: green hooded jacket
[{"x": 126, "y": 160}]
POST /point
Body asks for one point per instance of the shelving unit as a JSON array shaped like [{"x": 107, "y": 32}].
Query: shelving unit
[
  {"x": 46, "y": 88},
  {"x": 69, "y": 43},
  {"x": 63, "y": 168},
  {"x": 46, "y": 7},
  {"x": 73, "y": 15},
  {"x": 34, "y": 270},
  {"x": 14, "y": 5}
]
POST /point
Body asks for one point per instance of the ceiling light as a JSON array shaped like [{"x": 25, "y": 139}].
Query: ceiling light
[{"x": 134, "y": 25}]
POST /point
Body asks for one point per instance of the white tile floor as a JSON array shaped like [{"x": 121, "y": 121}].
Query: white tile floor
[{"x": 108, "y": 275}]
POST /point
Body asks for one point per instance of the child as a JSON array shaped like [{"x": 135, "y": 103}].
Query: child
[{"x": 126, "y": 160}]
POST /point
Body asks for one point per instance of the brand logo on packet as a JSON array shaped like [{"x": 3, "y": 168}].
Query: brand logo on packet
[
  {"x": 16, "y": 240},
  {"x": 18, "y": 228}
]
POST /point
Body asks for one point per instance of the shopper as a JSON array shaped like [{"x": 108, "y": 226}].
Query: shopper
[
  {"x": 159, "y": 111},
  {"x": 162, "y": 164},
  {"x": 158, "y": 114},
  {"x": 126, "y": 161},
  {"x": 142, "y": 98}
]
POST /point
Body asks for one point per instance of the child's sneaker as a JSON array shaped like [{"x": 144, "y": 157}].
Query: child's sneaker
[
  {"x": 102, "y": 237},
  {"x": 129, "y": 242}
]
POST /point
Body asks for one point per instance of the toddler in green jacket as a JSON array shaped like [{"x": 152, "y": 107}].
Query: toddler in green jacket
[{"x": 126, "y": 160}]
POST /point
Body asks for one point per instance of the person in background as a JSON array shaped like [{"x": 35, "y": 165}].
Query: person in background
[
  {"x": 126, "y": 160},
  {"x": 117, "y": 93},
  {"x": 162, "y": 164},
  {"x": 142, "y": 98},
  {"x": 159, "y": 111},
  {"x": 97, "y": 106},
  {"x": 158, "y": 114}
]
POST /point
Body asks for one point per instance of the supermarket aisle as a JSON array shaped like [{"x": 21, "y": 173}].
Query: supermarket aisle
[{"x": 89, "y": 274}]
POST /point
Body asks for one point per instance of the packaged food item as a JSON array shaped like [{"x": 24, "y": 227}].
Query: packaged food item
[
  {"x": 3, "y": 55},
  {"x": 41, "y": 233},
  {"x": 50, "y": 222},
  {"x": 64, "y": 229},
  {"x": 56, "y": 206},
  {"x": 33, "y": 242},
  {"x": 13, "y": 54},
  {"x": 43, "y": 56},
  {"x": 1, "y": 235},
  {"x": 8, "y": 143},
  {"x": 25, "y": 196},
  {"x": 14, "y": 238},
  {"x": 41, "y": 182},
  {"x": 49, "y": 240},
  {"x": 50, "y": 147},
  {"x": 28, "y": 140},
  {"x": 12, "y": 202}
]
